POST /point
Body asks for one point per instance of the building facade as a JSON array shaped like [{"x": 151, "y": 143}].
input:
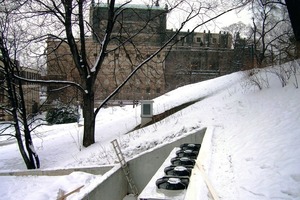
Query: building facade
[
  {"x": 198, "y": 57},
  {"x": 31, "y": 93},
  {"x": 140, "y": 31}
]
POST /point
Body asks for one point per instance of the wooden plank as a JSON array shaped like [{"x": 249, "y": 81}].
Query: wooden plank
[
  {"x": 64, "y": 196},
  {"x": 207, "y": 182}
]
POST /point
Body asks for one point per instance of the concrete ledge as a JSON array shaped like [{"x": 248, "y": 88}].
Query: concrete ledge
[
  {"x": 113, "y": 187},
  {"x": 204, "y": 157},
  {"x": 145, "y": 166},
  {"x": 142, "y": 168},
  {"x": 199, "y": 188},
  {"x": 58, "y": 172}
]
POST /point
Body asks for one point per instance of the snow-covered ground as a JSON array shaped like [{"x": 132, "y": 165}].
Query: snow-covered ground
[{"x": 254, "y": 150}]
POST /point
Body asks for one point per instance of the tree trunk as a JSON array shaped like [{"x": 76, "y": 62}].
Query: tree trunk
[
  {"x": 16, "y": 99},
  {"x": 293, "y": 9},
  {"x": 89, "y": 119},
  {"x": 27, "y": 161},
  {"x": 297, "y": 49},
  {"x": 33, "y": 156}
]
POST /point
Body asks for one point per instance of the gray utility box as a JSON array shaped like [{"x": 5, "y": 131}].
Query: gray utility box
[{"x": 146, "y": 112}]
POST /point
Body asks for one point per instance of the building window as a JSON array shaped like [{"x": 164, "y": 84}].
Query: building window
[
  {"x": 182, "y": 40},
  {"x": 148, "y": 90},
  {"x": 138, "y": 90}
]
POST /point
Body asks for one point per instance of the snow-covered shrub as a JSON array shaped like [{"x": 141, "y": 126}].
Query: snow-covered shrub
[
  {"x": 259, "y": 78},
  {"x": 62, "y": 114}
]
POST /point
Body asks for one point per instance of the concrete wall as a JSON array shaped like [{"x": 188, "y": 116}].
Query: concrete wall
[
  {"x": 58, "y": 172},
  {"x": 112, "y": 188},
  {"x": 142, "y": 168}
]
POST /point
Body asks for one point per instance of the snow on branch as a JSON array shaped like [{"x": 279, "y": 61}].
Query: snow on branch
[{"x": 53, "y": 82}]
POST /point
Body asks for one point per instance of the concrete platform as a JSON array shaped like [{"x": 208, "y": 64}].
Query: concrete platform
[
  {"x": 143, "y": 167},
  {"x": 151, "y": 192}
]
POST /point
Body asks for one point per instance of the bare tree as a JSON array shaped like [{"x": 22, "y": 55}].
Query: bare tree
[
  {"x": 12, "y": 93},
  {"x": 65, "y": 22},
  {"x": 293, "y": 8},
  {"x": 70, "y": 16},
  {"x": 243, "y": 52},
  {"x": 238, "y": 28},
  {"x": 271, "y": 31}
]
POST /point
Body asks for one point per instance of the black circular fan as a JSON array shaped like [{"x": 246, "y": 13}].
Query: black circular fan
[
  {"x": 191, "y": 146},
  {"x": 172, "y": 183},
  {"x": 178, "y": 171},
  {"x": 182, "y": 161},
  {"x": 187, "y": 153}
]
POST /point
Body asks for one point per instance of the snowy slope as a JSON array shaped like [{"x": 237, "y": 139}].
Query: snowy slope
[{"x": 254, "y": 149}]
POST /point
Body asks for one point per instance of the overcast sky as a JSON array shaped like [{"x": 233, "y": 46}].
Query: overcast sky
[{"x": 174, "y": 19}]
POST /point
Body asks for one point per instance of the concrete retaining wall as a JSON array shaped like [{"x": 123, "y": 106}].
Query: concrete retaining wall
[
  {"x": 58, "y": 172},
  {"x": 142, "y": 169},
  {"x": 113, "y": 187}
]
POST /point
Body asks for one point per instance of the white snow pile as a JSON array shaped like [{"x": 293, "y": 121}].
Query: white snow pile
[{"x": 254, "y": 148}]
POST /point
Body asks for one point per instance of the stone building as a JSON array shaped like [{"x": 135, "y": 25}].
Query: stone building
[
  {"x": 121, "y": 59},
  {"x": 31, "y": 92},
  {"x": 198, "y": 57},
  {"x": 195, "y": 57}
]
